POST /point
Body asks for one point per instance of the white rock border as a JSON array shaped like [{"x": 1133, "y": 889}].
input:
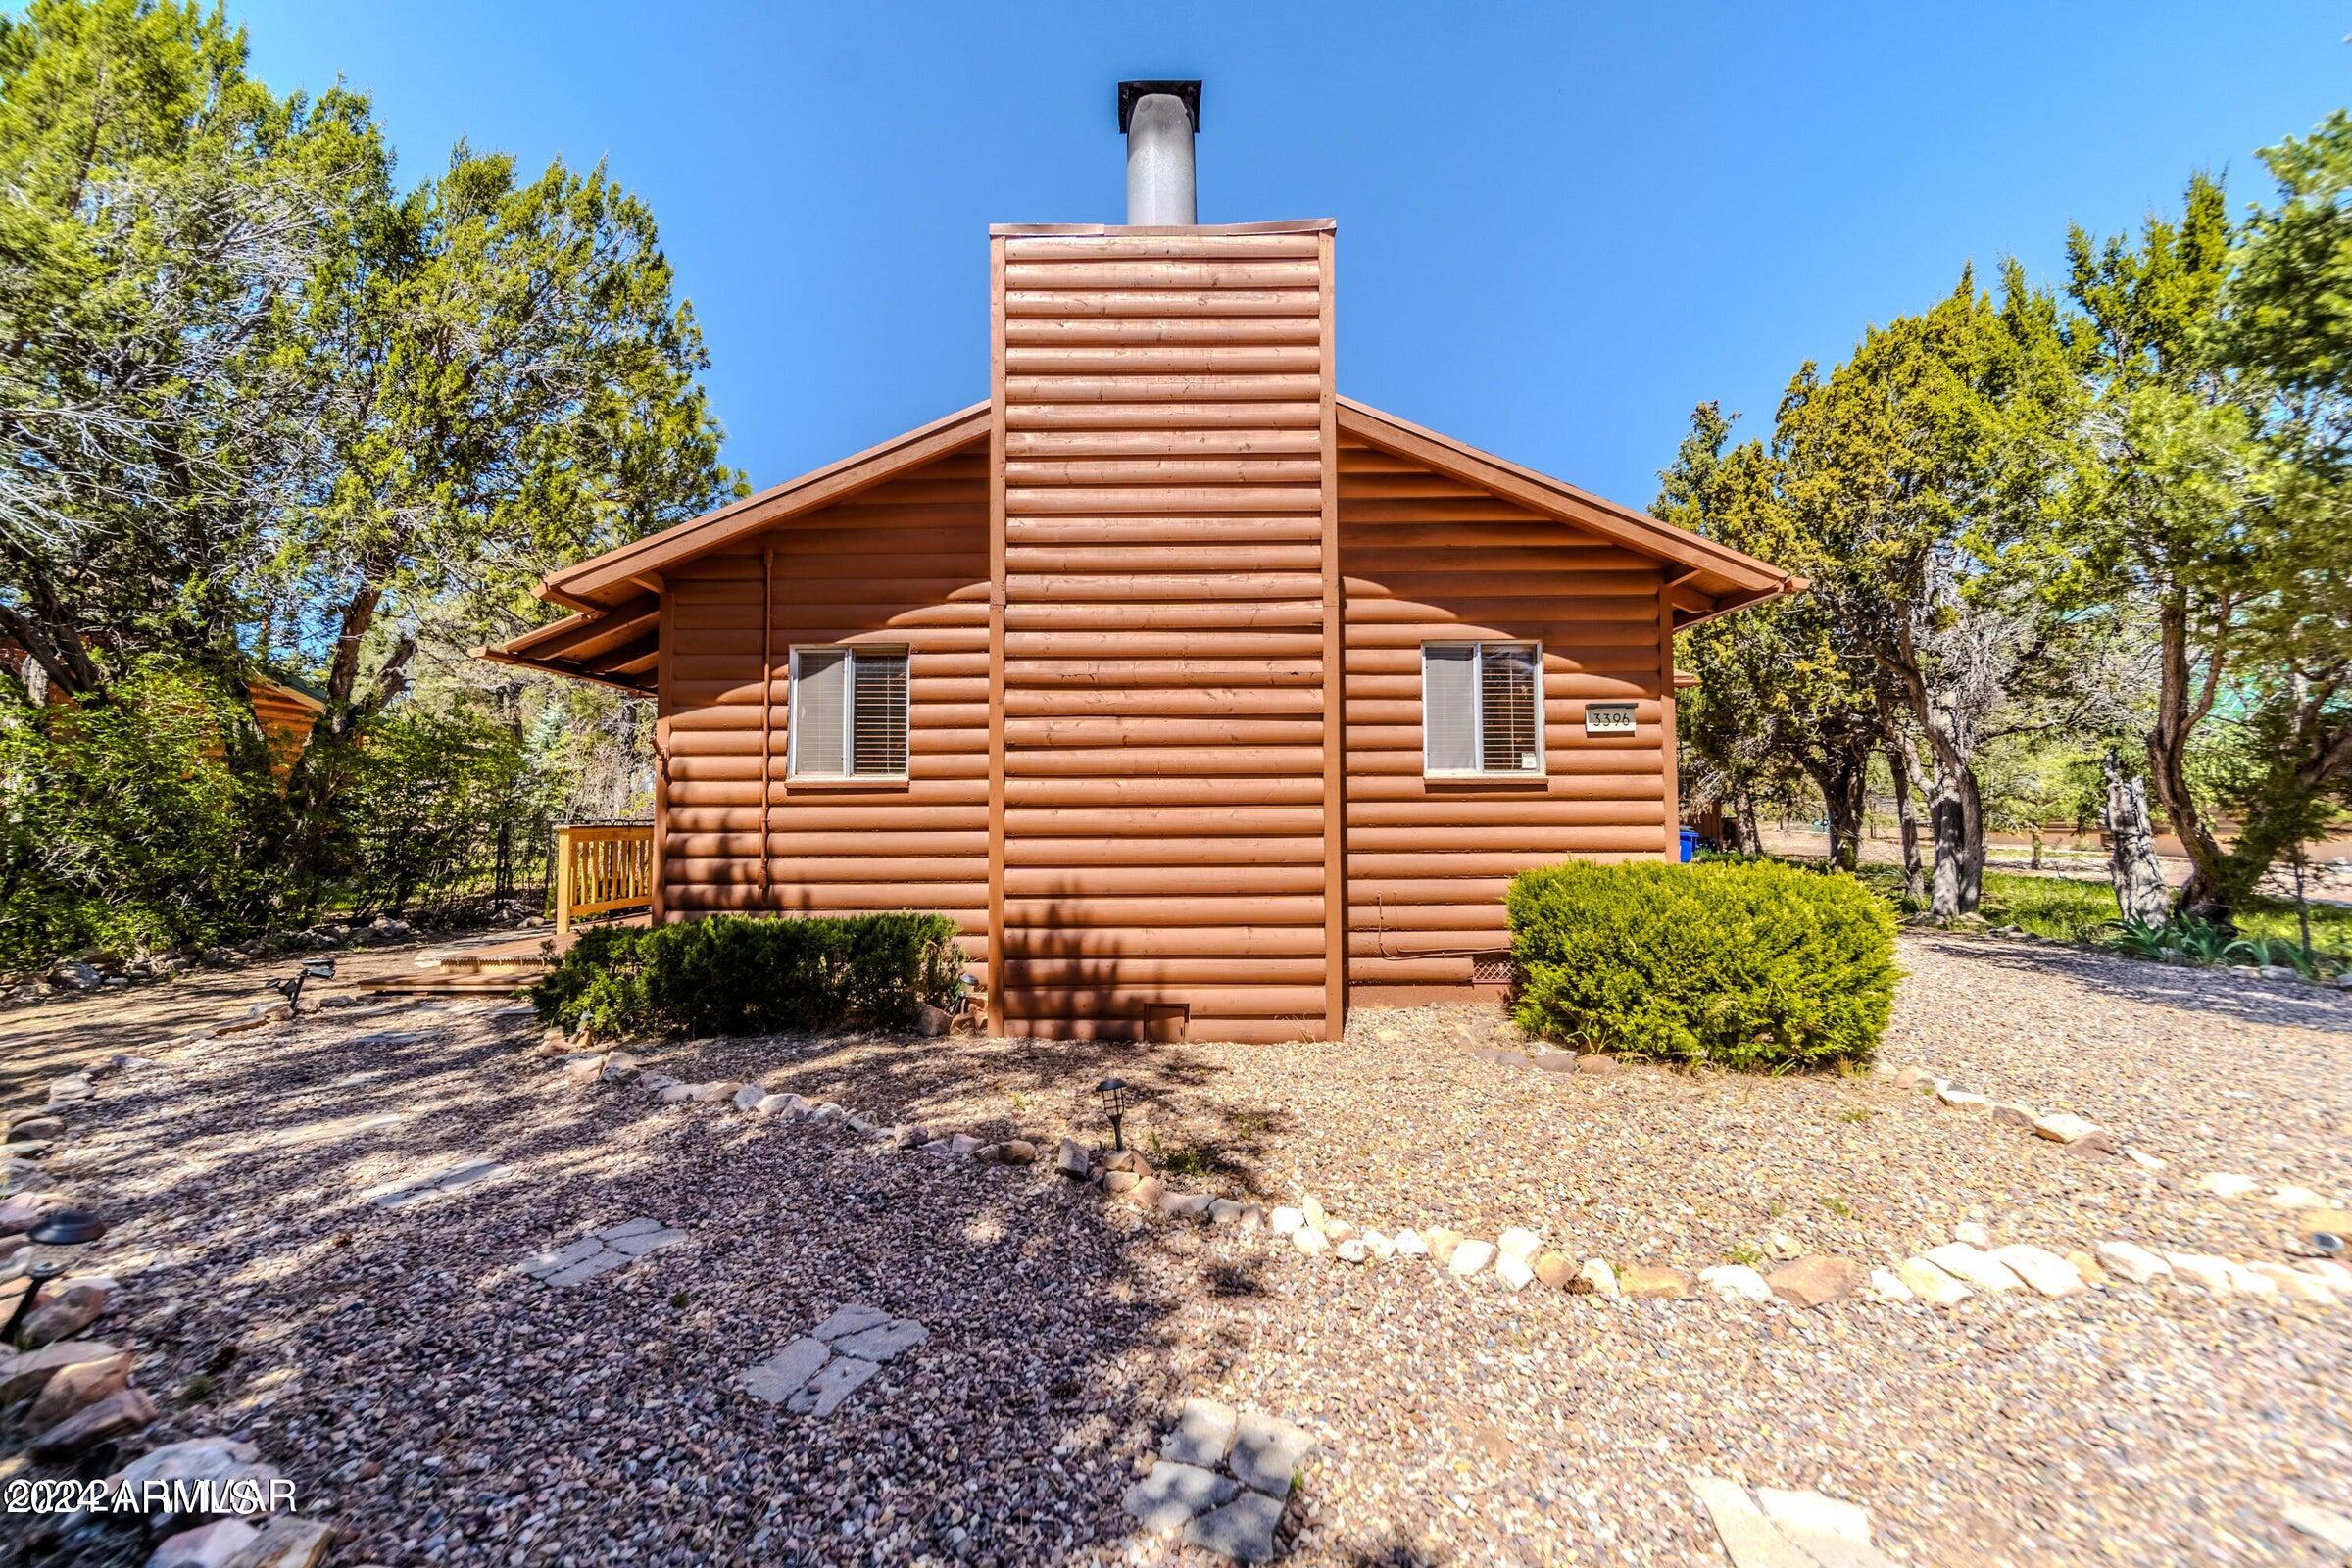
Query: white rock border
[{"x": 1940, "y": 1276}]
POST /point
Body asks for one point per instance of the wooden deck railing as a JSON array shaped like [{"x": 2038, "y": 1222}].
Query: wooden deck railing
[{"x": 602, "y": 870}]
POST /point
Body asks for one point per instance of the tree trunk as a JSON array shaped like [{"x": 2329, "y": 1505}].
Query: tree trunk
[
  {"x": 1902, "y": 764},
  {"x": 1844, "y": 784},
  {"x": 1956, "y": 822},
  {"x": 1751, "y": 836},
  {"x": 2178, "y": 713},
  {"x": 2140, "y": 890}
]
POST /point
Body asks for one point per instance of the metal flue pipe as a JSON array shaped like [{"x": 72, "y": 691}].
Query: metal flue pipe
[{"x": 1160, "y": 120}]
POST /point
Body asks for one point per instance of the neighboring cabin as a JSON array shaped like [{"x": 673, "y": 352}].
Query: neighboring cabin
[
  {"x": 1204, "y": 699},
  {"x": 285, "y": 712}
]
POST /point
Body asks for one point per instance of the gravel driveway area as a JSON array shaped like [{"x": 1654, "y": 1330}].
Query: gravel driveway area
[
  {"x": 442, "y": 1405},
  {"x": 2211, "y": 1069}
]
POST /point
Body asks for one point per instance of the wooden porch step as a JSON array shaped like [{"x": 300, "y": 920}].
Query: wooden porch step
[
  {"x": 447, "y": 985},
  {"x": 525, "y": 963}
]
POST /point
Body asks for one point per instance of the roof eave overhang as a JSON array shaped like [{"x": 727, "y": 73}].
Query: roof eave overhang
[
  {"x": 635, "y": 687},
  {"x": 613, "y": 594}
]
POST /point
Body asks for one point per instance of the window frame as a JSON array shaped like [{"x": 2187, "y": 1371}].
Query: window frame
[
  {"x": 793, "y": 771},
  {"x": 1478, "y": 712}
]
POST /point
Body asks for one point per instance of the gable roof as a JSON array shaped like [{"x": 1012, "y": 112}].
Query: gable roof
[
  {"x": 613, "y": 635},
  {"x": 602, "y": 582},
  {"x": 1715, "y": 578}
]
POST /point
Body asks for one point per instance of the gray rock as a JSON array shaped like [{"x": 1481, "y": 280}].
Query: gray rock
[
  {"x": 1071, "y": 1158},
  {"x": 833, "y": 1383},
  {"x": 75, "y": 975},
  {"x": 855, "y": 1318},
  {"x": 286, "y": 1542},
  {"x": 638, "y": 1244},
  {"x": 639, "y": 1226},
  {"x": 2134, "y": 1263},
  {"x": 1204, "y": 1431},
  {"x": 883, "y": 1342},
  {"x": 1172, "y": 1493},
  {"x": 28, "y": 1372},
  {"x": 1814, "y": 1514},
  {"x": 1243, "y": 1529},
  {"x": 545, "y": 1265},
  {"x": 782, "y": 1375},
  {"x": 1749, "y": 1538},
  {"x": 1267, "y": 1454},
  {"x": 206, "y": 1546},
  {"x": 1185, "y": 1205},
  {"x": 467, "y": 1175},
  {"x": 193, "y": 1459},
  {"x": 604, "y": 1260},
  {"x": 1976, "y": 1269},
  {"x": 2322, "y": 1525},
  {"x": 119, "y": 1413}
]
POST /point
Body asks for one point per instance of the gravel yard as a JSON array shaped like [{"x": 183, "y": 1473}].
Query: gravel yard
[{"x": 442, "y": 1405}]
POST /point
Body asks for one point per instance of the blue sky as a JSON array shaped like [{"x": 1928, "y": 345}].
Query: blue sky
[{"x": 1559, "y": 227}]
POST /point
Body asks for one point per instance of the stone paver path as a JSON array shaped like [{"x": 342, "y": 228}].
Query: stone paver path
[
  {"x": 1777, "y": 1529},
  {"x": 1223, "y": 1476},
  {"x": 813, "y": 1374},
  {"x": 400, "y": 1195},
  {"x": 601, "y": 1252},
  {"x": 386, "y": 1039}
]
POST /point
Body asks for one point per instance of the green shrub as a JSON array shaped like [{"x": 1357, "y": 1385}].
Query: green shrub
[
  {"x": 733, "y": 975},
  {"x": 2186, "y": 939},
  {"x": 122, "y": 828},
  {"x": 1754, "y": 966}
]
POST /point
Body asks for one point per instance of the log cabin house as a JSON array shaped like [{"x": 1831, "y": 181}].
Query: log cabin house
[
  {"x": 1204, "y": 697},
  {"x": 285, "y": 712}
]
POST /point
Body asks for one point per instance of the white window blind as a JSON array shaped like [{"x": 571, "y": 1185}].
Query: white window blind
[
  {"x": 1449, "y": 709},
  {"x": 1481, "y": 708},
  {"x": 849, "y": 712},
  {"x": 1506, "y": 709},
  {"x": 878, "y": 714}
]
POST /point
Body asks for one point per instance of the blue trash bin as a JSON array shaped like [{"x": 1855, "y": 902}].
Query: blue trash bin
[{"x": 1689, "y": 844}]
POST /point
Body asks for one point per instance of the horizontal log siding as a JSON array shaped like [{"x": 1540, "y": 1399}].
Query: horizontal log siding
[
  {"x": 903, "y": 562},
  {"x": 1163, "y": 677},
  {"x": 1428, "y": 559}
]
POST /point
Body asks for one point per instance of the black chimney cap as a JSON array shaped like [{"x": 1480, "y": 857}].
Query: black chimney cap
[{"x": 1130, "y": 91}]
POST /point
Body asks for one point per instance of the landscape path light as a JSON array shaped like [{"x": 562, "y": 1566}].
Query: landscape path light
[
  {"x": 61, "y": 1232},
  {"x": 1114, "y": 1096}
]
